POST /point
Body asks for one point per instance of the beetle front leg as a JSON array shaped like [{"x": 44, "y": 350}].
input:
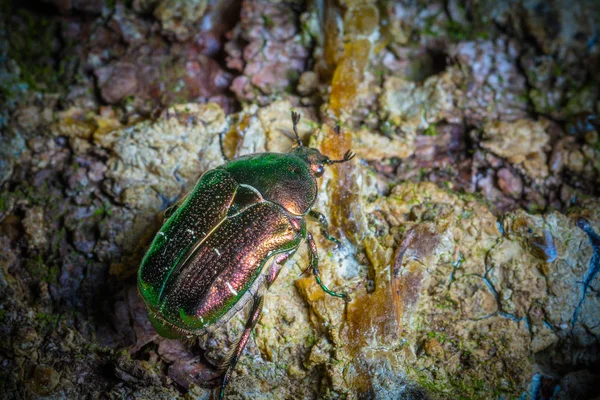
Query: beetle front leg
[
  {"x": 276, "y": 267},
  {"x": 320, "y": 218},
  {"x": 314, "y": 265},
  {"x": 257, "y": 305}
]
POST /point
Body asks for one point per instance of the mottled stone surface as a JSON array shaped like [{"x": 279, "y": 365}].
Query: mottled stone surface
[
  {"x": 522, "y": 142},
  {"x": 414, "y": 108},
  {"x": 496, "y": 89},
  {"x": 267, "y": 49},
  {"x": 468, "y": 221},
  {"x": 150, "y": 161}
]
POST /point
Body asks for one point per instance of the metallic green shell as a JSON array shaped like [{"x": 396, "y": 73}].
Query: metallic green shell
[
  {"x": 204, "y": 208},
  {"x": 222, "y": 268},
  {"x": 212, "y": 249},
  {"x": 283, "y": 179}
]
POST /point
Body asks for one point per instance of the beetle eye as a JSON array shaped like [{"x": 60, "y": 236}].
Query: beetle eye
[{"x": 318, "y": 170}]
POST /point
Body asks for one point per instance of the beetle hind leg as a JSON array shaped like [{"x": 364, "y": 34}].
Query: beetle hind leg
[
  {"x": 320, "y": 218},
  {"x": 257, "y": 305},
  {"x": 314, "y": 265}
]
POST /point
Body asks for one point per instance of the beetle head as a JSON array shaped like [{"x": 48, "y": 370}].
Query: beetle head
[
  {"x": 318, "y": 161},
  {"x": 313, "y": 157}
]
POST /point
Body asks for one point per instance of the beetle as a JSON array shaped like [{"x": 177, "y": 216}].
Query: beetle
[{"x": 208, "y": 259}]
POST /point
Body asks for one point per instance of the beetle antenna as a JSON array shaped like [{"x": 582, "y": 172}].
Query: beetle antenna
[
  {"x": 349, "y": 155},
  {"x": 295, "y": 120}
]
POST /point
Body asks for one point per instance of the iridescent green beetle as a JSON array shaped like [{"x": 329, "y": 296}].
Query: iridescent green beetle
[{"x": 206, "y": 262}]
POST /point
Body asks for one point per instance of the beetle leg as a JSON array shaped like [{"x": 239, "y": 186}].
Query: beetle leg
[
  {"x": 295, "y": 120},
  {"x": 169, "y": 211},
  {"x": 257, "y": 305},
  {"x": 276, "y": 267},
  {"x": 314, "y": 265},
  {"x": 223, "y": 147},
  {"x": 320, "y": 218}
]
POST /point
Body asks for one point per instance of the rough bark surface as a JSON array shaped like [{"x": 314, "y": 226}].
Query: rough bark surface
[{"x": 469, "y": 220}]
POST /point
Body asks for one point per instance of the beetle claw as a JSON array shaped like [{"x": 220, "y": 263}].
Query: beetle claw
[
  {"x": 349, "y": 155},
  {"x": 304, "y": 272},
  {"x": 295, "y": 117}
]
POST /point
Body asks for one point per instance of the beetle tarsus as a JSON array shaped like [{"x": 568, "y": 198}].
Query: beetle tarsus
[
  {"x": 257, "y": 305},
  {"x": 349, "y": 155},
  {"x": 314, "y": 265},
  {"x": 326, "y": 235},
  {"x": 325, "y": 288},
  {"x": 295, "y": 120}
]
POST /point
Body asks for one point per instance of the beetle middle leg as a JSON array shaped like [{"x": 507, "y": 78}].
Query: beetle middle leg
[
  {"x": 320, "y": 218},
  {"x": 314, "y": 265},
  {"x": 257, "y": 305}
]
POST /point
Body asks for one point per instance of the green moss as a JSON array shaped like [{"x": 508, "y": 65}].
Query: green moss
[
  {"x": 128, "y": 100},
  {"x": 535, "y": 208},
  {"x": 431, "y": 131},
  {"x": 52, "y": 276},
  {"x": 386, "y": 129},
  {"x": 430, "y": 29},
  {"x": 306, "y": 36},
  {"x": 459, "y": 386},
  {"x": 466, "y": 214},
  {"x": 483, "y": 35},
  {"x": 457, "y": 31},
  {"x": 267, "y": 21},
  {"x": 439, "y": 336},
  {"x": 3, "y": 202},
  {"x": 36, "y": 267},
  {"x": 103, "y": 211},
  {"x": 36, "y": 196},
  {"x": 446, "y": 304},
  {"x": 31, "y": 43},
  {"x": 475, "y": 197},
  {"x": 46, "y": 321},
  {"x": 523, "y": 97},
  {"x": 292, "y": 75}
]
